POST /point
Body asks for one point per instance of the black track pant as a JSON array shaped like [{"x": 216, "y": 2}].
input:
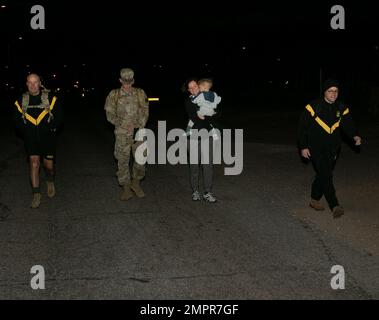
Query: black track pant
[{"x": 324, "y": 164}]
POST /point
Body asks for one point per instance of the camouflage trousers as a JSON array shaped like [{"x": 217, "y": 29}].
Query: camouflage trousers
[{"x": 125, "y": 146}]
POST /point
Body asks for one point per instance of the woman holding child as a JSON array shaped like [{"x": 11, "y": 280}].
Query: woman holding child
[{"x": 200, "y": 107}]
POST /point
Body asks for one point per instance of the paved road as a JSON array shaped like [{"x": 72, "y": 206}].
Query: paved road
[{"x": 260, "y": 241}]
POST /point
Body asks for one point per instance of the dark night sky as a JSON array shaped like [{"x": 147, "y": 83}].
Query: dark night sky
[{"x": 251, "y": 43}]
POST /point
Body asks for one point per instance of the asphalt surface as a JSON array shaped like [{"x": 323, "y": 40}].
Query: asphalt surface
[{"x": 259, "y": 241}]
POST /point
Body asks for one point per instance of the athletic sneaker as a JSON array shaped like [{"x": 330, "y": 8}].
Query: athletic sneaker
[
  {"x": 209, "y": 197},
  {"x": 196, "y": 196}
]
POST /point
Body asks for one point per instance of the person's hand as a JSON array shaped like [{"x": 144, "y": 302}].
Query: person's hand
[
  {"x": 305, "y": 153},
  {"x": 358, "y": 140}
]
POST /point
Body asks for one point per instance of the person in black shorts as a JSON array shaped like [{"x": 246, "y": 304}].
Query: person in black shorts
[{"x": 37, "y": 116}]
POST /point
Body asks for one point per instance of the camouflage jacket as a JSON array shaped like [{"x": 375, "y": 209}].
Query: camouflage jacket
[{"x": 127, "y": 109}]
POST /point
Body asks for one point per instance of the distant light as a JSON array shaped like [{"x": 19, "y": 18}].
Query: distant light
[
  {"x": 278, "y": 59},
  {"x": 6, "y": 67},
  {"x": 77, "y": 82},
  {"x": 3, "y": 6},
  {"x": 76, "y": 86},
  {"x": 287, "y": 82},
  {"x": 153, "y": 99},
  {"x": 58, "y": 89},
  {"x": 54, "y": 75},
  {"x": 83, "y": 95},
  {"x": 243, "y": 48},
  {"x": 65, "y": 66}
]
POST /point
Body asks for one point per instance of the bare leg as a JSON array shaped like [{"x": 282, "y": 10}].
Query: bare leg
[
  {"x": 34, "y": 179},
  {"x": 34, "y": 171},
  {"x": 50, "y": 173},
  {"x": 49, "y": 169}
]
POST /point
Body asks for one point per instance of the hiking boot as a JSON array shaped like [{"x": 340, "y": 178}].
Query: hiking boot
[
  {"x": 136, "y": 187},
  {"x": 196, "y": 196},
  {"x": 50, "y": 189},
  {"x": 36, "y": 201},
  {"x": 338, "y": 212},
  {"x": 126, "y": 193},
  {"x": 209, "y": 197},
  {"x": 316, "y": 204}
]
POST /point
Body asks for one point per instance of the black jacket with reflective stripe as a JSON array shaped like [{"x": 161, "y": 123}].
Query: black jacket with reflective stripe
[
  {"x": 336, "y": 116},
  {"x": 30, "y": 131}
]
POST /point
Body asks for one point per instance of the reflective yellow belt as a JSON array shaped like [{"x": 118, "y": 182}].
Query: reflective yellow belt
[
  {"x": 42, "y": 115},
  {"x": 328, "y": 129}
]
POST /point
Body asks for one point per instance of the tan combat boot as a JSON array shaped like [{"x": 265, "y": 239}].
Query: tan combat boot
[
  {"x": 36, "y": 200},
  {"x": 136, "y": 187},
  {"x": 126, "y": 193},
  {"x": 50, "y": 189},
  {"x": 338, "y": 212},
  {"x": 316, "y": 204}
]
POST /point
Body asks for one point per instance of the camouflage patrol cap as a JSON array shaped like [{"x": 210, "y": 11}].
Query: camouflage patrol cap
[{"x": 127, "y": 75}]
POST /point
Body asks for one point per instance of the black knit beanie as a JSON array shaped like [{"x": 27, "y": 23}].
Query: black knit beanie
[{"x": 330, "y": 83}]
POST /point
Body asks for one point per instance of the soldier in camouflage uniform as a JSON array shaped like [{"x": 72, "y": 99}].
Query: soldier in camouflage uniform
[{"x": 127, "y": 108}]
